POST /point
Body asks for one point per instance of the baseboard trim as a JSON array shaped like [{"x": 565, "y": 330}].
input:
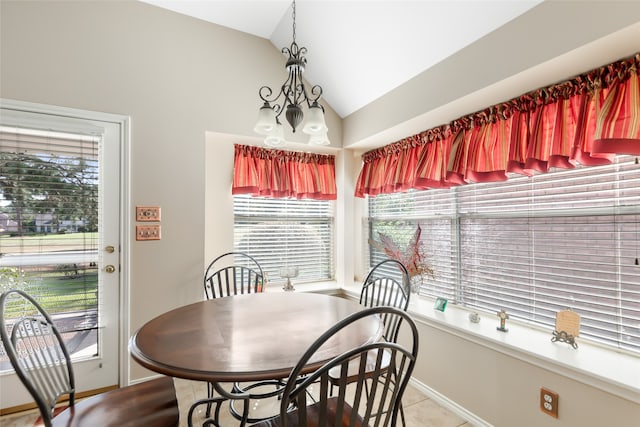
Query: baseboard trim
[{"x": 449, "y": 404}]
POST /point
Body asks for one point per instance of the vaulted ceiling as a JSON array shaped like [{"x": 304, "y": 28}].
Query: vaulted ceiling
[{"x": 359, "y": 50}]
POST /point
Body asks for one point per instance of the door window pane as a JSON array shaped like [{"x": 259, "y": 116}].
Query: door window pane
[{"x": 49, "y": 228}]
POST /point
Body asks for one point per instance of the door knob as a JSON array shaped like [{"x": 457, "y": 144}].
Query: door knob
[
  {"x": 109, "y": 269},
  {"x": 109, "y": 249}
]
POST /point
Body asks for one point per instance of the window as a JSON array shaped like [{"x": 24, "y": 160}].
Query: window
[
  {"x": 286, "y": 233},
  {"x": 49, "y": 228},
  {"x": 533, "y": 246}
]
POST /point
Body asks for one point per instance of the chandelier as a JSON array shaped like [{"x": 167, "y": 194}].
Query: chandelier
[{"x": 291, "y": 99}]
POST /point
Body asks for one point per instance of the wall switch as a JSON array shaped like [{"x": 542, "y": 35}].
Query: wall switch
[
  {"x": 549, "y": 402},
  {"x": 147, "y": 232},
  {"x": 147, "y": 213}
]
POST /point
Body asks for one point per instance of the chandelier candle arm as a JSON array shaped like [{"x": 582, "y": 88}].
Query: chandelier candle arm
[{"x": 291, "y": 99}]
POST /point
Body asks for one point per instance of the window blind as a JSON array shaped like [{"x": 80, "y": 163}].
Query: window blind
[
  {"x": 286, "y": 233},
  {"x": 49, "y": 222},
  {"x": 397, "y": 215},
  {"x": 536, "y": 245}
]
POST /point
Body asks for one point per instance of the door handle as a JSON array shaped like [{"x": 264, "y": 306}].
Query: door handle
[{"x": 110, "y": 268}]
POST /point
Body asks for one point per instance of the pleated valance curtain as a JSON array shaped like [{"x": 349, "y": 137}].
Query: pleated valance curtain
[
  {"x": 283, "y": 174},
  {"x": 586, "y": 120}
]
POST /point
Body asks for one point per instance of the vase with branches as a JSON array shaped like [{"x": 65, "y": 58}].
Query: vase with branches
[{"x": 412, "y": 255}]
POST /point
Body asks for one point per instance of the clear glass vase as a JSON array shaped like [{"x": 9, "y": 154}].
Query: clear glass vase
[{"x": 416, "y": 282}]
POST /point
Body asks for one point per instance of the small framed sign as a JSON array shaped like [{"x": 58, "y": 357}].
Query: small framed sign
[
  {"x": 567, "y": 327},
  {"x": 441, "y": 304}
]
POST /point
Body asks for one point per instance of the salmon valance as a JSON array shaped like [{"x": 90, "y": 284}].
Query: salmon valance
[
  {"x": 283, "y": 174},
  {"x": 586, "y": 120}
]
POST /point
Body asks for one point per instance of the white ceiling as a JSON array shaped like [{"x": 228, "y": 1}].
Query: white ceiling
[{"x": 358, "y": 50}]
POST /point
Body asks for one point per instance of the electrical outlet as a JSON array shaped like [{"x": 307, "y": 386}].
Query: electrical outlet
[
  {"x": 549, "y": 402},
  {"x": 147, "y": 232},
  {"x": 148, "y": 213}
]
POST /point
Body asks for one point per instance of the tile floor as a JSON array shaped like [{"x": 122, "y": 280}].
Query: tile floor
[{"x": 420, "y": 411}]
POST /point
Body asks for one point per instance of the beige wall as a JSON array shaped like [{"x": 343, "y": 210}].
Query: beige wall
[
  {"x": 190, "y": 89},
  {"x": 504, "y": 390},
  {"x": 182, "y": 81}
]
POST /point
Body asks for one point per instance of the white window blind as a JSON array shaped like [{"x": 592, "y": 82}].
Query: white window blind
[
  {"x": 49, "y": 222},
  {"x": 398, "y": 215},
  {"x": 534, "y": 246},
  {"x": 286, "y": 233}
]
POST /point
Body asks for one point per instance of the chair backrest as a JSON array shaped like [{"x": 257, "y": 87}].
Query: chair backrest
[
  {"x": 233, "y": 273},
  {"x": 351, "y": 403},
  {"x": 387, "y": 284},
  {"x": 36, "y": 351}
]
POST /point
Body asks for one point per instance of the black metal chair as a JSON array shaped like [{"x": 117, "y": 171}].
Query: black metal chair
[
  {"x": 387, "y": 284},
  {"x": 351, "y": 406},
  {"x": 41, "y": 361},
  {"x": 233, "y": 273}
]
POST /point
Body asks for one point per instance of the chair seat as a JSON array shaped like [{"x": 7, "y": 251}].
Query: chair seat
[
  {"x": 313, "y": 416},
  {"x": 354, "y": 367},
  {"x": 46, "y": 370},
  {"x": 151, "y": 404}
]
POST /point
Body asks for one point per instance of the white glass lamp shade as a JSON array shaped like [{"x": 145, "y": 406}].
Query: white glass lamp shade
[
  {"x": 319, "y": 139},
  {"x": 266, "y": 123},
  {"x": 276, "y": 137},
  {"x": 314, "y": 123}
]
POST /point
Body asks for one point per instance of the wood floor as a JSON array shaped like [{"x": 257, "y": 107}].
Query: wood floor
[{"x": 420, "y": 411}]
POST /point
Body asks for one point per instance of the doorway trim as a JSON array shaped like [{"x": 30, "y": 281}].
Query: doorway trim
[{"x": 124, "y": 231}]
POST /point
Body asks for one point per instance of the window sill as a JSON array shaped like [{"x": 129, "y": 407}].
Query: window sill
[
  {"x": 615, "y": 372},
  {"x": 330, "y": 287}
]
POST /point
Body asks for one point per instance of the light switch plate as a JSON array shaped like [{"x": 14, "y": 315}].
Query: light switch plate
[
  {"x": 148, "y": 213},
  {"x": 148, "y": 232}
]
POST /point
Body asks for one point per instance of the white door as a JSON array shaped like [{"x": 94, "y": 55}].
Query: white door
[{"x": 62, "y": 243}]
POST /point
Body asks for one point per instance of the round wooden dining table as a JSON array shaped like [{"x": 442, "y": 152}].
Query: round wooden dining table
[{"x": 249, "y": 337}]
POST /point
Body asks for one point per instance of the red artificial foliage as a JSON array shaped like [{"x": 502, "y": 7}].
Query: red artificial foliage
[{"x": 412, "y": 256}]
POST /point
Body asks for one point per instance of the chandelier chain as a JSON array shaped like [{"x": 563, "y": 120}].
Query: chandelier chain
[{"x": 294, "y": 20}]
